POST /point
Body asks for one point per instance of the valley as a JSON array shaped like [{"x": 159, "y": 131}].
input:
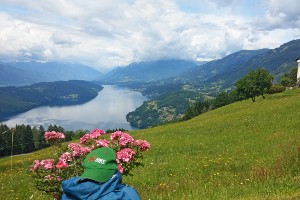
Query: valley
[
  {"x": 199, "y": 100},
  {"x": 171, "y": 85}
]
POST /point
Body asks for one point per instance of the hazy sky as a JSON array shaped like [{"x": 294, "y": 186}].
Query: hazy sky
[{"x": 106, "y": 33}]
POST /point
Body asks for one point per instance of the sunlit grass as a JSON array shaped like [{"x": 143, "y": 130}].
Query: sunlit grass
[{"x": 242, "y": 151}]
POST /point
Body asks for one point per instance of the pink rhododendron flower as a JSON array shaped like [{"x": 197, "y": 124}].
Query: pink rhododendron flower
[
  {"x": 125, "y": 155},
  {"x": 93, "y": 135},
  {"x": 66, "y": 157},
  {"x": 96, "y": 133},
  {"x": 52, "y": 135},
  {"x": 85, "y": 138},
  {"x": 36, "y": 165},
  {"x": 78, "y": 149},
  {"x": 102, "y": 143},
  {"x": 126, "y": 139},
  {"x": 116, "y": 135},
  {"x": 47, "y": 164},
  {"x": 62, "y": 164},
  {"x": 123, "y": 138},
  {"x": 120, "y": 168},
  {"x": 143, "y": 145}
]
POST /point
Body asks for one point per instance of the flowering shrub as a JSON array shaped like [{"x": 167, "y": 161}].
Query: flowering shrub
[{"x": 68, "y": 161}]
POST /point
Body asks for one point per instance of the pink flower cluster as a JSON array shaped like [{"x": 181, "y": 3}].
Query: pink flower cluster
[
  {"x": 63, "y": 161},
  {"x": 124, "y": 139},
  {"x": 128, "y": 154},
  {"x": 78, "y": 149},
  {"x": 52, "y": 135},
  {"x": 62, "y": 164},
  {"x": 102, "y": 143},
  {"x": 47, "y": 164},
  {"x": 93, "y": 135},
  {"x": 143, "y": 145},
  {"x": 125, "y": 155}
]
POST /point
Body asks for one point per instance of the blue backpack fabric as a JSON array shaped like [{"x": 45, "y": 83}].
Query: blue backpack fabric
[{"x": 84, "y": 189}]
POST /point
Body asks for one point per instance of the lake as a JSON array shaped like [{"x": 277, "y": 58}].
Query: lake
[{"x": 106, "y": 111}]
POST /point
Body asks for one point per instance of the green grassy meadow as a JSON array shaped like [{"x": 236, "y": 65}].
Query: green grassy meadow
[{"x": 241, "y": 151}]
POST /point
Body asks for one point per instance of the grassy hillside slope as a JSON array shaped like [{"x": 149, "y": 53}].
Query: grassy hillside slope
[{"x": 242, "y": 151}]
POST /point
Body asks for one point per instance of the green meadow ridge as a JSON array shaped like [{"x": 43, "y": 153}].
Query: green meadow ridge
[{"x": 244, "y": 150}]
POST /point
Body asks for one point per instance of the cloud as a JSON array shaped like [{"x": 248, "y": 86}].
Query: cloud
[
  {"x": 104, "y": 34},
  {"x": 62, "y": 39},
  {"x": 225, "y": 3},
  {"x": 280, "y": 15}
]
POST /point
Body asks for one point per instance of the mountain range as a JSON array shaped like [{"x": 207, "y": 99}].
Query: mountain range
[
  {"x": 224, "y": 72},
  {"x": 25, "y": 73},
  {"x": 149, "y": 71},
  {"x": 210, "y": 77},
  {"x": 164, "y": 80}
]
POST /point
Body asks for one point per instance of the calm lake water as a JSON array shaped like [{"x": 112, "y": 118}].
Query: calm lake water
[{"x": 107, "y": 111}]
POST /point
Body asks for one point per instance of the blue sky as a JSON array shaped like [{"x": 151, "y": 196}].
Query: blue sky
[{"x": 104, "y": 34}]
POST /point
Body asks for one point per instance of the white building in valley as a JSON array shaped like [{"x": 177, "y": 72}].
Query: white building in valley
[{"x": 298, "y": 72}]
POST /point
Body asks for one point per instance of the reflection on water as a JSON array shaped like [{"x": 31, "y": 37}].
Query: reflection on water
[{"x": 107, "y": 111}]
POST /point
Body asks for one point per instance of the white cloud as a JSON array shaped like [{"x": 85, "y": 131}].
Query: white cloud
[
  {"x": 280, "y": 15},
  {"x": 62, "y": 39},
  {"x": 113, "y": 33}
]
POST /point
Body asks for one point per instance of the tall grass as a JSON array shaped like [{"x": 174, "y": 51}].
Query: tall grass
[{"x": 241, "y": 151}]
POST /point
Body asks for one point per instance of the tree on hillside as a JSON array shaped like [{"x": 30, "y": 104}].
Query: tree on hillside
[
  {"x": 225, "y": 98},
  {"x": 5, "y": 140},
  {"x": 289, "y": 79},
  {"x": 254, "y": 84},
  {"x": 197, "y": 109}
]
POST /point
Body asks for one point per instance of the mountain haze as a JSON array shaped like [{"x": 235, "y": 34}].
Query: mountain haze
[
  {"x": 149, "y": 71},
  {"x": 24, "y": 73}
]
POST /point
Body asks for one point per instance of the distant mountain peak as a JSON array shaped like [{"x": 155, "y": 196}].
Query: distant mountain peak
[{"x": 149, "y": 70}]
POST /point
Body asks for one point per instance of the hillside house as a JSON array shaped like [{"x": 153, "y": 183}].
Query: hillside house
[{"x": 298, "y": 72}]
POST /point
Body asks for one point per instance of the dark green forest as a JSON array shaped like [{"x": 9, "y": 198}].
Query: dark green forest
[{"x": 25, "y": 139}]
